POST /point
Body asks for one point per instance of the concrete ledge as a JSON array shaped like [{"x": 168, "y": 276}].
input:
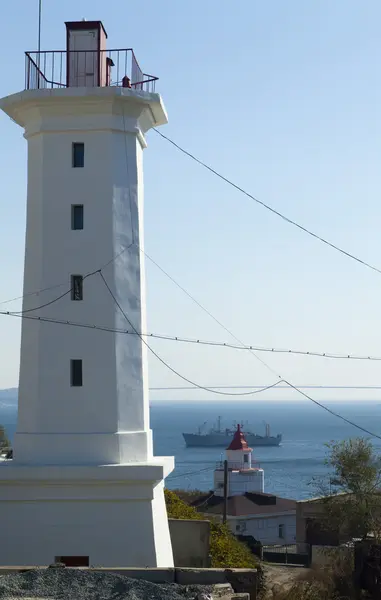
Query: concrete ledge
[
  {"x": 187, "y": 576},
  {"x": 153, "y": 575}
]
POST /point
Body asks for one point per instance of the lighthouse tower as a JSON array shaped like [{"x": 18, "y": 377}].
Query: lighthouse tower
[
  {"x": 243, "y": 475},
  {"x": 83, "y": 486}
]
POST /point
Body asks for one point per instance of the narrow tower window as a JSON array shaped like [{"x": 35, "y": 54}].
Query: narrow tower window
[
  {"x": 77, "y": 216},
  {"x": 78, "y": 154},
  {"x": 76, "y": 372},
  {"x": 77, "y": 287}
]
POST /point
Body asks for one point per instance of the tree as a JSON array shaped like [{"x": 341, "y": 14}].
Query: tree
[
  {"x": 4, "y": 441},
  {"x": 225, "y": 550},
  {"x": 352, "y": 497}
]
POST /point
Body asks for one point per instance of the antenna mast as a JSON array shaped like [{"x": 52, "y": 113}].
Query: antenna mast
[
  {"x": 39, "y": 32},
  {"x": 39, "y": 24}
]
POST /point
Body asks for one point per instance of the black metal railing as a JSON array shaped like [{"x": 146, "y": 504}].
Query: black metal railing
[
  {"x": 295, "y": 554},
  {"x": 86, "y": 68}
]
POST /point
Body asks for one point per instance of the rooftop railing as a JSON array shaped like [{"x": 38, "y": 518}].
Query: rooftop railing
[
  {"x": 237, "y": 465},
  {"x": 85, "y": 68}
]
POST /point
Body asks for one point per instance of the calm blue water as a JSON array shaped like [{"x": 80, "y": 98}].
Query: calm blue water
[{"x": 289, "y": 469}]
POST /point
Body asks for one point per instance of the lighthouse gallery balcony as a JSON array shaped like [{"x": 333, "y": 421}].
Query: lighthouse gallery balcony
[{"x": 86, "y": 68}]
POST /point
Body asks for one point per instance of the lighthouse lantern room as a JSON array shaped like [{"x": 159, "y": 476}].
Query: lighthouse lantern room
[{"x": 83, "y": 486}]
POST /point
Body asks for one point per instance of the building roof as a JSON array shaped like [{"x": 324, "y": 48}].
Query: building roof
[
  {"x": 250, "y": 503},
  {"x": 85, "y": 25},
  {"x": 239, "y": 442}
]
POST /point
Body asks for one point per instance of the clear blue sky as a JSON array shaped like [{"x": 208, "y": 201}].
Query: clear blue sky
[{"x": 282, "y": 97}]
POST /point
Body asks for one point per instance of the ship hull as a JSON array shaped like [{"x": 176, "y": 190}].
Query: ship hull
[{"x": 222, "y": 440}]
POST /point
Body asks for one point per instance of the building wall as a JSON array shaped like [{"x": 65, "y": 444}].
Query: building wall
[
  {"x": 308, "y": 524},
  {"x": 266, "y": 529},
  {"x": 190, "y": 542},
  {"x": 304, "y": 511}
]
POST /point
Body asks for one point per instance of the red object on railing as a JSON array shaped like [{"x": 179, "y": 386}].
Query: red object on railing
[
  {"x": 88, "y": 68},
  {"x": 126, "y": 82}
]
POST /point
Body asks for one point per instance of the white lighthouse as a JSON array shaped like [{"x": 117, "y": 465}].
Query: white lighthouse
[
  {"x": 84, "y": 487},
  {"x": 243, "y": 475}
]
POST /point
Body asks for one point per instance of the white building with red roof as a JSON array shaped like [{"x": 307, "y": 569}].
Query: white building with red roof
[
  {"x": 250, "y": 512},
  {"x": 243, "y": 474}
]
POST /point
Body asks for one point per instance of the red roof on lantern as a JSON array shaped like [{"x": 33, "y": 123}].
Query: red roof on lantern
[{"x": 238, "y": 442}]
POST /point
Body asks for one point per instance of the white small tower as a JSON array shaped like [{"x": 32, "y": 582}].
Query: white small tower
[
  {"x": 243, "y": 476},
  {"x": 84, "y": 486}
]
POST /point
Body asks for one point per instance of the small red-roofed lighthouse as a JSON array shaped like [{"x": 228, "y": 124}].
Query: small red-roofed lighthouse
[{"x": 243, "y": 475}]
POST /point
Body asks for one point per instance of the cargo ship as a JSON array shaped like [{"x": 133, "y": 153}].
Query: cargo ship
[{"x": 216, "y": 436}]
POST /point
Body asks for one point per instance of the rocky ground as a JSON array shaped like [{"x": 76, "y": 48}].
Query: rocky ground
[
  {"x": 71, "y": 584},
  {"x": 280, "y": 578}
]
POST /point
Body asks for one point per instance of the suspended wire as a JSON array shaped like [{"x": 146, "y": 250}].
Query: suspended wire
[
  {"x": 21, "y": 312},
  {"x": 268, "y": 207},
  {"x": 261, "y": 348},
  {"x": 170, "y": 477},
  {"x": 195, "y": 341},
  {"x": 195, "y": 385},
  {"x": 279, "y": 387},
  {"x": 334, "y": 413},
  {"x": 209, "y": 313},
  {"x": 288, "y": 220},
  {"x": 214, "y": 390},
  {"x": 282, "y": 379},
  {"x": 51, "y": 287},
  {"x": 116, "y": 256},
  {"x": 67, "y": 323},
  {"x": 302, "y": 228},
  {"x": 201, "y": 387}
]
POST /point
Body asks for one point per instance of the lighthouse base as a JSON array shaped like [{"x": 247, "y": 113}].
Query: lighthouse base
[{"x": 106, "y": 516}]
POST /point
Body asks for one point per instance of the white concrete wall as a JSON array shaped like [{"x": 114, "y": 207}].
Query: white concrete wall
[
  {"x": 266, "y": 528},
  {"x": 113, "y": 400},
  {"x": 239, "y": 482},
  {"x": 235, "y": 459},
  {"x": 119, "y": 523}
]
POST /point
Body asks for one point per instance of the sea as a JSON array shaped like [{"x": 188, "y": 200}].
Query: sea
[{"x": 290, "y": 470}]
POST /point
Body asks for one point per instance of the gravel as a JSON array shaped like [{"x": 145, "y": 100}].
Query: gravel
[{"x": 73, "y": 584}]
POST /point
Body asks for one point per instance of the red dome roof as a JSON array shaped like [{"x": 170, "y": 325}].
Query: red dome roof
[{"x": 238, "y": 442}]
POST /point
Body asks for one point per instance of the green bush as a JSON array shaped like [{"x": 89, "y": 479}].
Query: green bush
[{"x": 225, "y": 550}]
